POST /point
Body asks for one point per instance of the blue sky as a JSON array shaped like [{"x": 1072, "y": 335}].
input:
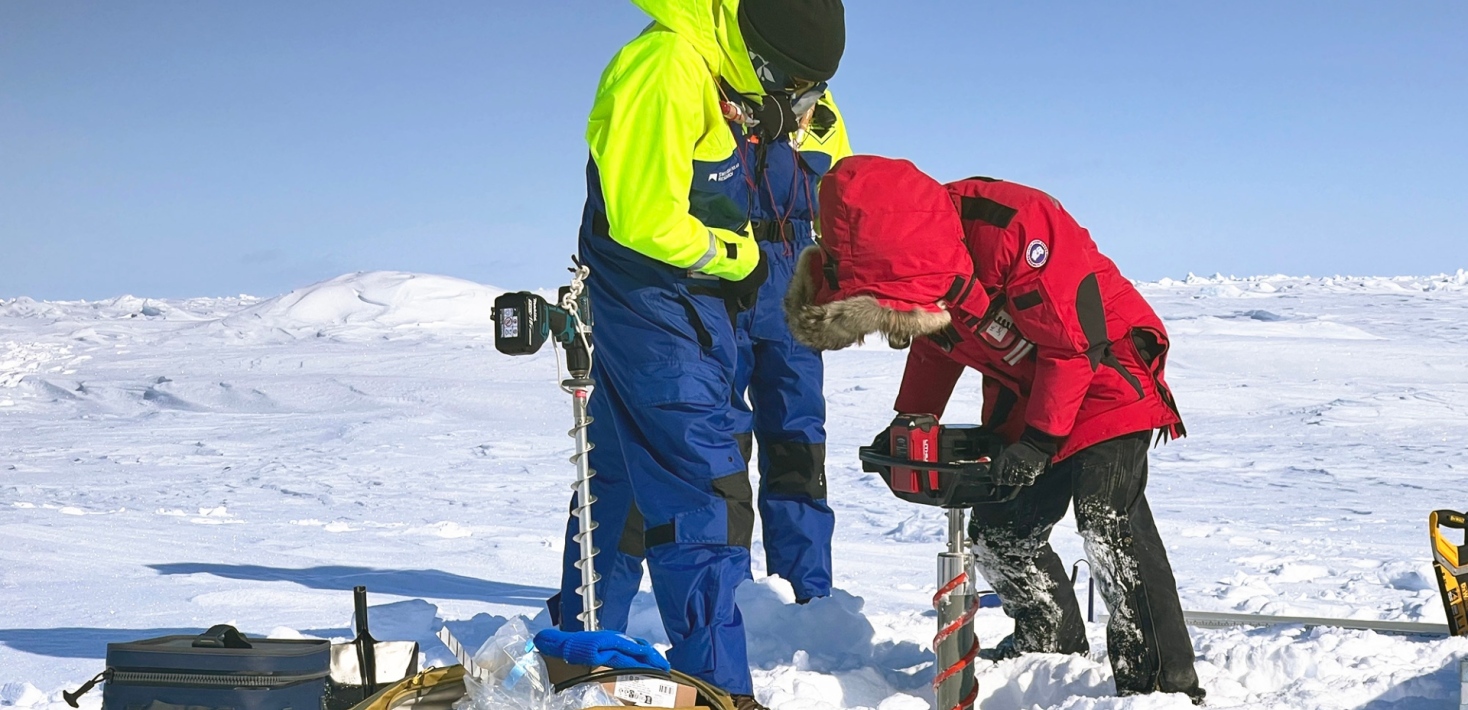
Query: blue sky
[{"x": 176, "y": 148}]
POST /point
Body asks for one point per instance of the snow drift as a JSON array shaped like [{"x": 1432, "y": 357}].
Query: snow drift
[{"x": 364, "y": 303}]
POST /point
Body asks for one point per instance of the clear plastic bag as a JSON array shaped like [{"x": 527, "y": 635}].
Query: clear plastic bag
[
  {"x": 515, "y": 677},
  {"x": 586, "y": 695}
]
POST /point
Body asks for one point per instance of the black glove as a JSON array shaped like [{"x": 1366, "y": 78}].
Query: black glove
[
  {"x": 741, "y": 295},
  {"x": 1019, "y": 464},
  {"x": 776, "y": 117}
]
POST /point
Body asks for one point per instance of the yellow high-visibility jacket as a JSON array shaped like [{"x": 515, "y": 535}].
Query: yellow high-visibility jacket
[{"x": 657, "y": 113}]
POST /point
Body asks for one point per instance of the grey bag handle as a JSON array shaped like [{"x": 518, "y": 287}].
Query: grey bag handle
[{"x": 222, "y": 636}]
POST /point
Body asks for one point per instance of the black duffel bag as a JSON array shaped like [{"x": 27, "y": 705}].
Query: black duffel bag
[{"x": 219, "y": 668}]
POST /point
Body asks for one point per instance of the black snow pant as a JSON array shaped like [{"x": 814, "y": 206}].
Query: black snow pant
[{"x": 1146, "y": 639}]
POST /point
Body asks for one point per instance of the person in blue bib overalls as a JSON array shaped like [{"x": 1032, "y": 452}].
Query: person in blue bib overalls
[
  {"x": 676, "y": 268},
  {"x": 778, "y": 383}
]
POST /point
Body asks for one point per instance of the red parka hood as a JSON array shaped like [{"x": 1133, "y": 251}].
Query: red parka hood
[{"x": 891, "y": 258}]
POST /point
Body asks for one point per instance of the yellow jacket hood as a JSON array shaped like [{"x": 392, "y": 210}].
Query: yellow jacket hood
[{"x": 712, "y": 27}]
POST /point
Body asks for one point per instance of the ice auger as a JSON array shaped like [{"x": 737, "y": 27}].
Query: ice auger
[
  {"x": 947, "y": 467},
  {"x": 524, "y": 322},
  {"x": 1451, "y": 563}
]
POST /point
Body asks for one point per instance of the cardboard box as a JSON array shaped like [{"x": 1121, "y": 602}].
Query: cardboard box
[{"x": 632, "y": 690}]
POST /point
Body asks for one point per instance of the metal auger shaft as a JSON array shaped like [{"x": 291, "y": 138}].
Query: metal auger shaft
[
  {"x": 955, "y": 644},
  {"x": 580, "y": 395},
  {"x": 580, "y": 385}
]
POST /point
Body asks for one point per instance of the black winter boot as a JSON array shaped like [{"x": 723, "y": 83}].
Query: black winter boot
[
  {"x": 1002, "y": 651},
  {"x": 1006, "y": 649}
]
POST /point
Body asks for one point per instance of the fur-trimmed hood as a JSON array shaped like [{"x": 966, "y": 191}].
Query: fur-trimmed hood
[
  {"x": 846, "y": 322},
  {"x": 892, "y": 259}
]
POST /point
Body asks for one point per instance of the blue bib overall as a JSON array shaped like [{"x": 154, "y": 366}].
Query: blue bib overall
[{"x": 672, "y": 426}]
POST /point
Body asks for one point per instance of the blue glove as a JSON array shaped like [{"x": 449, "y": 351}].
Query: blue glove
[{"x": 600, "y": 648}]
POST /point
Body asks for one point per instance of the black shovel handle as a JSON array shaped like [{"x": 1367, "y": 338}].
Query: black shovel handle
[{"x": 366, "y": 645}]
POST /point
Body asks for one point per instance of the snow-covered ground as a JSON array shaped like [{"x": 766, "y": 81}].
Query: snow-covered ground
[{"x": 171, "y": 465}]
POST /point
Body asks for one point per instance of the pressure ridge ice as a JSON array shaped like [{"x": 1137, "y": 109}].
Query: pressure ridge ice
[{"x": 169, "y": 464}]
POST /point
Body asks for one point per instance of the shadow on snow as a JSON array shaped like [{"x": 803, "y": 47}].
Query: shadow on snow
[
  {"x": 427, "y": 583},
  {"x": 77, "y": 642}
]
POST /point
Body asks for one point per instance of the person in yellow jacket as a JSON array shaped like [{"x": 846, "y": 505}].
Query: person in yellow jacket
[{"x": 666, "y": 234}]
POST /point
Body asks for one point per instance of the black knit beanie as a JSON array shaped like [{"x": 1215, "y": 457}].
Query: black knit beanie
[{"x": 804, "y": 38}]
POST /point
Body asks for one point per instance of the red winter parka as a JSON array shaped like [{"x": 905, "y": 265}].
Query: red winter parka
[{"x": 991, "y": 275}]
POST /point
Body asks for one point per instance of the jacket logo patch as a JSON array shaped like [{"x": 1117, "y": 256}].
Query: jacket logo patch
[
  {"x": 821, "y": 124},
  {"x": 1036, "y": 254},
  {"x": 725, "y": 174}
]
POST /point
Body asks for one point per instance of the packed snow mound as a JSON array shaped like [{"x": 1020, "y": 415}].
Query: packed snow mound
[{"x": 362, "y": 302}]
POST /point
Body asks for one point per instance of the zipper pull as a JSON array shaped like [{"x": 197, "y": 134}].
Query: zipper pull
[{"x": 70, "y": 697}]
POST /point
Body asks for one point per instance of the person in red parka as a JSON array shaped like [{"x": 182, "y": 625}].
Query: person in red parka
[{"x": 997, "y": 276}]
